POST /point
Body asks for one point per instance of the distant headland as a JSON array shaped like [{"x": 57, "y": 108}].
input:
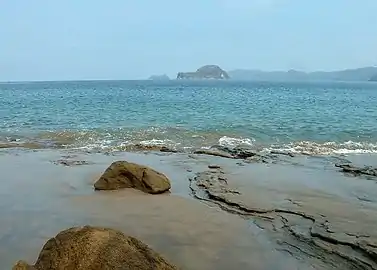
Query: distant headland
[
  {"x": 357, "y": 74},
  {"x": 205, "y": 72},
  {"x": 214, "y": 72}
]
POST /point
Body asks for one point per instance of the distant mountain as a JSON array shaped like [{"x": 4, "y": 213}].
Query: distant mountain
[
  {"x": 163, "y": 77},
  {"x": 205, "y": 72},
  {"x": 359, "y": 74}
]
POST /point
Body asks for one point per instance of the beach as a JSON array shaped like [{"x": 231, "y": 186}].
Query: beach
[
  {"x": 297, "y": 212},
  {"x": 264, "y": 175}
]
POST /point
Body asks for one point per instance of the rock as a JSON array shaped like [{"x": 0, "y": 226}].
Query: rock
[
  {"x": 152, "y": 148},
  {"x": 214, "y": 166},
  {"x": 357, "y": 170},
  {"x": 205, "y": 72},
  {"x": 122, "y": 174},
  {"x": 213, "y": 153},
  {"x": 21, "y": 265},
  {"x": 237, "y": 152},
  {"x": 276, "y": 152},
  {"x": 94, "y": 248},
  {"x": 167, "y": 150},
  {"x": 144, "y": 147},
  {"x": 69, "y": 163}
]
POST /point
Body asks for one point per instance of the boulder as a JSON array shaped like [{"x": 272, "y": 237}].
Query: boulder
[
  {"x": 94, "y": 248},
  {"x": 123, "y": 174}
]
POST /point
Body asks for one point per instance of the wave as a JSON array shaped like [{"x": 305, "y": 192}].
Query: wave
[
  {"x": 326, "y": 148},
  {"x": 235, "y": 142},
  {"x": 175, "y": 138}
]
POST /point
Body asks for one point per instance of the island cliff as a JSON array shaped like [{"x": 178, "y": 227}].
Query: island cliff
[{"x": 205, "y": 72}]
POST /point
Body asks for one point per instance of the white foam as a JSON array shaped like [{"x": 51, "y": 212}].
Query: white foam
[
  {"x": 232, "y": 142},
  {"x": 157, "y": 142},
  {"x": 327, "y": 148}
]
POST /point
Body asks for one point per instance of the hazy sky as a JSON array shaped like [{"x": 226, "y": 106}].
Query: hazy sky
[{"x": 132, "y": 39}]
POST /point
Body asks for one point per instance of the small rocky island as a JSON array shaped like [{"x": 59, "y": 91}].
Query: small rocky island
[
  {"x": 205, "y": 72},
  {"x": 373, "y": 79},
  {"x": 162, "y": 77}
]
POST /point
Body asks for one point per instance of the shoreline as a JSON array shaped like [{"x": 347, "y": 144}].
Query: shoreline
[{"x": 41, "y": 195}]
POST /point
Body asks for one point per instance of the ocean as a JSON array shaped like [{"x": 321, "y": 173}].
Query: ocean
[{"x": 304, "y": 117}]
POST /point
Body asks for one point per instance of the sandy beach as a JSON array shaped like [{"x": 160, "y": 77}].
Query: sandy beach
[{"x": 299, "y": 213}]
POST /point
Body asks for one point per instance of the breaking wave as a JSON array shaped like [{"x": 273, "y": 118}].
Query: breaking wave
[
  {"x": 327, "y": 148},
  {"x": 176, "y": 138},
  {"x": 233, "y": 142}
]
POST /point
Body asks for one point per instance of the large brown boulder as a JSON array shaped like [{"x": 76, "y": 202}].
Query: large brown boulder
[
  {"x": 122, "y": 174},
  {"x": 93, "y": 248}
]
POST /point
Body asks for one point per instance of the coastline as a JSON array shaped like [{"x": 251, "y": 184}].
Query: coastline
[{"x": 41, "y": 195}]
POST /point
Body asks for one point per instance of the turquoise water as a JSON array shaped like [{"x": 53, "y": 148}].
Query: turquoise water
[{"x": 301, "y": 117}]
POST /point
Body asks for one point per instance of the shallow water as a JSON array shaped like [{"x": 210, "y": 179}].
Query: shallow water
[
  {"x": 38, "y": 199},
  {"x": 320, "y": 118}
]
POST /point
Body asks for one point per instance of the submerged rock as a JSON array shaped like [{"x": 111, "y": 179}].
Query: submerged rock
[
  {"x": 69, "y": 163},
  {"x": 226, "y": 152},
  {"x": 284, "y": 153},
  {"x": 213, "y": 153},
  {"x": 152, "y": 148},
  {"x": 122, "y": 174},
  {"x": 357, "y": 170},
  {"x": 94, "y": 248}
]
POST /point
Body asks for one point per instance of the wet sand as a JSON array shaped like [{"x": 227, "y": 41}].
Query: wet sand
[{"x": 41, "y": 196}]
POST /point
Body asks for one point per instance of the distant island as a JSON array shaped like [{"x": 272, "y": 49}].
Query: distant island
[
  {"x": 205, "y": 72},
  {"x": 358, "y": 74},
  {"x": 163, "y": 77},
  {"x": 373, "y": 78}
]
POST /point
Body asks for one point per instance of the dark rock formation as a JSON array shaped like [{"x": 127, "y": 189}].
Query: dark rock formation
[
  {"x": 226, "y": 152},
  {"x": 205, "y": 72},
  {"x": 153, "y": 148},
  {"x": 69, "y": 163},
  {"x": 213, "y": 153},
  {"x": 347, "y": 168},
  {"x": 122, "y": 174},
  {"x": 92, "y": 248}
]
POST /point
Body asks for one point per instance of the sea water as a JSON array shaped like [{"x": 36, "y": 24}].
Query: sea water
[{"x": 312, "y": 117}]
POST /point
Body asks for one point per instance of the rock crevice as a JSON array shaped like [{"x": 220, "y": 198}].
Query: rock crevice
[{"x": 296, "y": 232}]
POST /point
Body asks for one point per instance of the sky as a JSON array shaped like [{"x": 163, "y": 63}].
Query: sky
[{"x": 129, "y": 39}]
